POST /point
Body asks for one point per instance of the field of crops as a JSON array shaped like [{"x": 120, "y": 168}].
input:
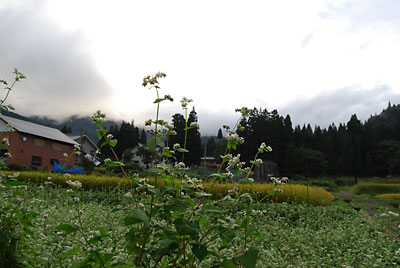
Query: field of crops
[{"x": 289, "y": 235}]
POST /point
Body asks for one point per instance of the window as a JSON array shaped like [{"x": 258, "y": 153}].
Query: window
[
  {"x": 39, "y": 142},
  {"x": 61, "y": 147},
  {"x": 36, "y": 160}
]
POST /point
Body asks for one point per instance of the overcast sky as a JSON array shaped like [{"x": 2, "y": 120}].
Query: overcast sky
[{"x": 319, "y": 61}]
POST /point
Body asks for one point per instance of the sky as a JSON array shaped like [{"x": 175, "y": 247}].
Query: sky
[{"x": 318, "y": 61}]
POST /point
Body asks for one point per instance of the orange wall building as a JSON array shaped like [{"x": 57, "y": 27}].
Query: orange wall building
[{"x": 34, "y": 145}]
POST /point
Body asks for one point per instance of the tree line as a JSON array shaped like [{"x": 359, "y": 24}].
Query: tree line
[{"x": 355, "y": 148}]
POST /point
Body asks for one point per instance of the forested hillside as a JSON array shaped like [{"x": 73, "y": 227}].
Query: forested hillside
[{"x": 370, "y": 148}]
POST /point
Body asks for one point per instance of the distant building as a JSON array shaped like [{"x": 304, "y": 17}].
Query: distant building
[
  {"x": 138, "y": 156},
  {"x": 265, "y": 171},
  {"x": 34, "y": 145},
  {"x": 208, "y": 161},
  {"x": 88, "y": 149}
]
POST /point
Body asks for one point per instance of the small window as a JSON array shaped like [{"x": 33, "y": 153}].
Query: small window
[
  {"x": 39, "y": 142},
  {"x": 61, "y": 147},
  {"x": 52, "y": 161},
  {"x": 36, "y": 160}
]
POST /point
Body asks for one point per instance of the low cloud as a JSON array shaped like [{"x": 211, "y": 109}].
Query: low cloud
[
  {"x": 62, "y": 78},
  {"x": 337, "y": 106}
]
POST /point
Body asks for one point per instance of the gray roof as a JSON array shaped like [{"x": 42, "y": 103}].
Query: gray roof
[
  {"x": 37, "y": 130},
  {"x": 78, "y": 137}
]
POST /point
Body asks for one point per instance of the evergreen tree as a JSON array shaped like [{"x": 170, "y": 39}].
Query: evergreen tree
[
  {"x": 219, "y": 135},
  {"x": 143, "y": 137},
  {"x": 66, "y": 129},
  {"x": 193, "y": 144}
]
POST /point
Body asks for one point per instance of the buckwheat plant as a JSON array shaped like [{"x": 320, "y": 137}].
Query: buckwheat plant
[
  {"x": 175, "y": 223},
  {"x": 13, "y": 195}
]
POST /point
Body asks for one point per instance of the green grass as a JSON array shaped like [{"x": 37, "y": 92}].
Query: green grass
[
  {"x": 290, "y": 235},
  {"x": 375, "y": 188},
  {"x": 395, "y": 196}
]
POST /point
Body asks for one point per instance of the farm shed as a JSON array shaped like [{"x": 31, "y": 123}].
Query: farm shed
[{"x": 34, "y": 145}]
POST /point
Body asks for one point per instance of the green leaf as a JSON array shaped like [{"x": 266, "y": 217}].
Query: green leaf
[
  {"x": 114, "y": 164},
  {"x": 101, "y": 132},
  {"x": 67, "y": 228},
  {"x": 81, "y": 263},
  {"x": 137, "y": 216},
  {"x": 228, "y": 264},
  {"x": 249, "y": 259},
  {"x": 227, "y": 236},
  {"x": 151, "y": 143},
  {"x": 112, "y": 143},
  {"x": 181, "y": 150},
  {"x": 244, "y": 223},
  {"x": 98, "y": 123},
  {"x": 159, "y": 100},
  {"x": 71, "y": 252},
  {"x": 200, "y": 251},
  {"x": 202, "y": 194},
  {"x": 250, "y": 230}
]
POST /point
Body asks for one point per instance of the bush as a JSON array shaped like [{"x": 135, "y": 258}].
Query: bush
[
  {"x": 87, "y": 165},
  {"x": 18, "y": 167}
]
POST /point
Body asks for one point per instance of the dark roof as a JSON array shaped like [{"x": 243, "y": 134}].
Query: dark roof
[{"x": 37, "y": 130}]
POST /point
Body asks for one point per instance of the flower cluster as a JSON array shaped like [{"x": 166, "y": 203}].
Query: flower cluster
[
  {"x": 244, "y": 111},
  {"x": 235, "y": 138},
  {"x": 180, "y": 165},
  {"x": 76, "y": 184},
  {"x": 98, "y": 116},
  {"x": 234, "y": 163},
  {"x": 153, "y": 79},
  {"x": 185, "y": 101}
]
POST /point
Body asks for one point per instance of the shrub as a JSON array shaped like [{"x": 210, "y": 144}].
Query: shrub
[{"x": 18, "y": 167}]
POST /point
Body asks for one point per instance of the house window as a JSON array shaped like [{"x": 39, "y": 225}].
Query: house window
[
  {"x": 39, "y": 142},
  {"x": 36, "y": 160},
  {"x": 52, "y": 161},
  {"x": 61, "y": 147}
]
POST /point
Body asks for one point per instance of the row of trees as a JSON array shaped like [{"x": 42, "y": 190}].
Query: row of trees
[
  {"x": 352, "y": 149},
  {"x": 371, "y": 148}
]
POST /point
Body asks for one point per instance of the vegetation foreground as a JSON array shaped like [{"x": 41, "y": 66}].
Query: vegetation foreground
[{"x": 289, "y": 235}]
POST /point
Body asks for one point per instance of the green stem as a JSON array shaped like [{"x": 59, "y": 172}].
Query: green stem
[
  {"x": 252, "y": 165},
  {"x": 186, "y": 131}
]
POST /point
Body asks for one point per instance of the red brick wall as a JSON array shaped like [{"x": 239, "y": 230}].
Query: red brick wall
[{"x": 22, "y": 151}]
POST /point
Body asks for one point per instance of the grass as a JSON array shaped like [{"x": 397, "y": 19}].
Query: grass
[
  {"x": 292, "y": 193},
  {"x": 390, "y": 196},
  {"x": 290, "y": 235},
  {"x": 375, "y": 188}
]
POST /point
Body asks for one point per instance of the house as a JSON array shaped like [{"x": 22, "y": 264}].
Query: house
[
  {"x": 266, "y": 170},
  {"x": 88, "y": 148},
  {"x": 34, "y": 145},
  {"x": 144, "y": 157},
  {"x": 208, "y": 161}
]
